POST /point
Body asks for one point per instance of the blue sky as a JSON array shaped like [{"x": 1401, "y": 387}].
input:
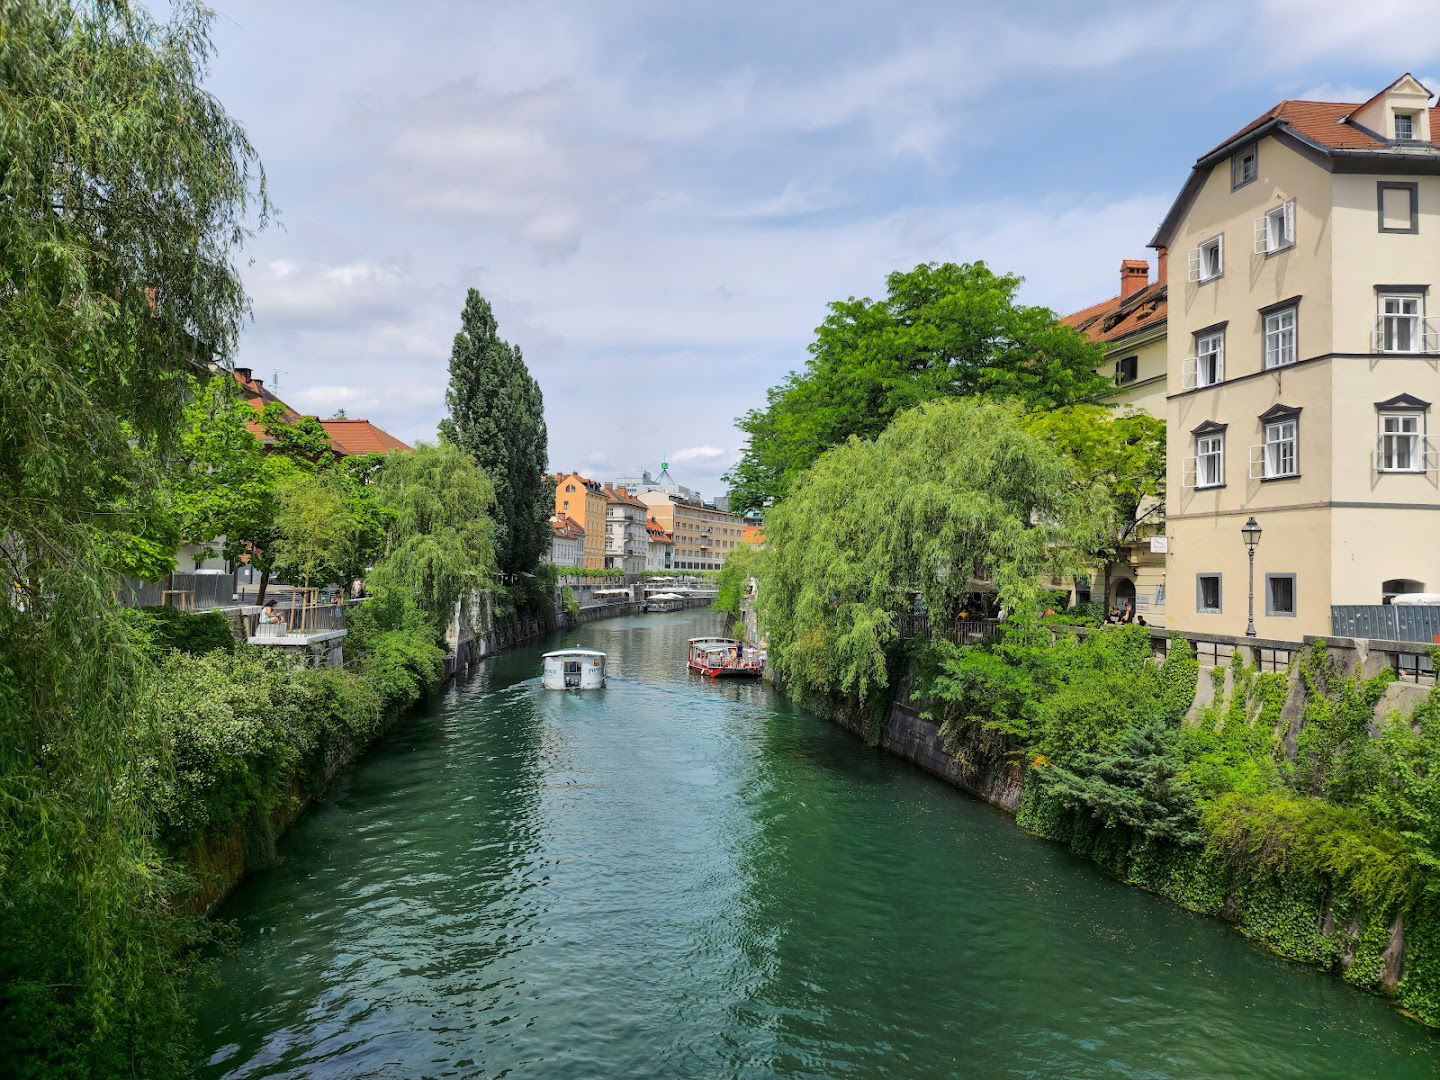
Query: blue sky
[{"x": 660, "y": 198}]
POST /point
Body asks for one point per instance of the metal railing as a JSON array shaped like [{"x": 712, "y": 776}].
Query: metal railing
[{"x": 1386, "y": 622}]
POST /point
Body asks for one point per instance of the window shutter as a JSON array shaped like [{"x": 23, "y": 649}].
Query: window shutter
[
  {"x": 1290, "y": 222},
  {"x": 1377, "y": 338},
  {"x": 1194, "y": 264},
  {"x": 1262, "y": 235},
  {"x": 1188, "y": 368},
  {"x": 1219, "y": 254},
  {"x": 1379, "y": 454},
  {"x": 1430, "y": 456},
  {"x": 1188, "y": 473},
  {"x": 1257, "y": 462}
]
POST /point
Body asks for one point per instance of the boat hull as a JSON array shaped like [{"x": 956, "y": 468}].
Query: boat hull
[{"x": 711, "y": 672}]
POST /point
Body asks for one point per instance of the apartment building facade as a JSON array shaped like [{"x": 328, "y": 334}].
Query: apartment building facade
[
  {"x": 660, "y": 549},
  {"x": 584, "y": 500},
  {"x": 627, "y": 541},
  {"x": 567, "y": 541},
  {"x": 703, "y": 535},
  {"x": 1303, "y": 364}
]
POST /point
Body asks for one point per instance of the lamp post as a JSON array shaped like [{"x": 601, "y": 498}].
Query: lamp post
[{"x": 1250, "y": 531}]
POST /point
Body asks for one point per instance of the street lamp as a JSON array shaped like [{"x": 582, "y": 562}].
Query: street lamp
[{"x": 1251, "y": 533}]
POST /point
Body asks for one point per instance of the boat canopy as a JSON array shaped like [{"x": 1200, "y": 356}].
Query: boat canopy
[{"x": 577, "y": 651}]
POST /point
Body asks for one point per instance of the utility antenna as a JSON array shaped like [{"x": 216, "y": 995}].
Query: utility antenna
[{"x": 275, "y": 377}]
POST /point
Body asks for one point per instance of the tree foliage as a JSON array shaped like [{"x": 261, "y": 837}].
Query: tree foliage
[
  {"x": 125, "y": 190},
  {"x": 497, "y": 416},
  {"x": 950, "y": 493},
  {"x": 942, "y": 330},
  {"x": 438, "y": 543}
]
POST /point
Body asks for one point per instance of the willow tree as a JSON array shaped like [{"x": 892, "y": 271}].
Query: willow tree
[
  {"x": 439, "y": 540},
  {"x": 125, "y": 190},
  {"x": 951, "y": 494}
]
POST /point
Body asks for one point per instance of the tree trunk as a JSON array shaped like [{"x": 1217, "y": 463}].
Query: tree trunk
[{"x": 264, "y": 584}]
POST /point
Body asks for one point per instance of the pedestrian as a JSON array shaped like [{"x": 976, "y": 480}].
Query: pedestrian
[
  {"x": 357, "y": 589},
  {"x": 1140, "y": 621},
  {"x": 1114, "y": 617}
]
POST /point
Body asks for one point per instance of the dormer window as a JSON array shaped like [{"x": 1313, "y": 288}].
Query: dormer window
[{"x": 1404, "y": 127}]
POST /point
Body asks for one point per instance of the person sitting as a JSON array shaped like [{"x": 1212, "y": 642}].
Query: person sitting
[
  {"x": 1114, "y": 617},
  {"x": 1140, "y": 621},
  {"x": 271, "y": 619}
]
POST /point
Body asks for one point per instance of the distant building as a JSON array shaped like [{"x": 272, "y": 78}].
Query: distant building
[
  {"x": 753, "y": 535},
  {"x": 567, "y": 542},
  {"x": 643, "y": 481},
  {"x": 703, "y": 535},
  {"x": 584, "y": 500},
  {"x": 660, "y": 553},
  {"x": 626, "y": 539}
]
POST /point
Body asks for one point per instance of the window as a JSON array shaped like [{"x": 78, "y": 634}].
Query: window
[
  {"x": 1207, "y": 593},
  {"x": 1400, "y": 448},
  {"x": 1399, "y": 325},
  {"x": 1244, "y": 167},
  {"x": 1207, "y": 262},
  {"x": 1207, "y": 366},
  {"x": 1404, "y": 126},
  {"x": 1280, "y": 338},
  {"x": 1281, "y": 449},
  {"x": 1280, "y": 594},
  {"x": 1126, "y": 370},
  {"x": 570, "y": 488},
  {"x": 1275, "y": 229},
  {"x": 1210, "y": 460},
  {"x": 1398, "y": 205}
]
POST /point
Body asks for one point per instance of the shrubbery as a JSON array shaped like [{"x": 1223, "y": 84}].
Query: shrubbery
[{"x": 170, "y": 629}]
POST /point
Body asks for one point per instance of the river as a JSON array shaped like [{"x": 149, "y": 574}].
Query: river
[{"x": 680, "y": 878}]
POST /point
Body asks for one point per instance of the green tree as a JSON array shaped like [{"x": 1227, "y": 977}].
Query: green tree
[
  {"x": 497, "y": 416},
  {"x": 942, "y": 330},
  {"x": 438, "y": 545},
  {"x": 950, "y": 493},
  {"x": 318, "y": 531},
  {"x": 1122, "y": 456},
  {"x": 125, "y": 191},
  {"x": 739, "y": 567}
]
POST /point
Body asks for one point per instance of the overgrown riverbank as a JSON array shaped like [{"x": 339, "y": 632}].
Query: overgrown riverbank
[{"x": 1284, "y": 805}]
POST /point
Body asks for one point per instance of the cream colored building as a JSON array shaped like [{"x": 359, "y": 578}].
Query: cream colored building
[
  {"x": 627, "y": 542},
  {"x": 1131, "y": 327},
  {"x": 584, "y": 500},
  {"x": 1303, "y": 362},
  {"x": 703, "y": 535}
]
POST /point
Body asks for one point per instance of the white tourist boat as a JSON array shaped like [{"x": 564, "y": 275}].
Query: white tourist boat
[{"x": 574, "y": 669}]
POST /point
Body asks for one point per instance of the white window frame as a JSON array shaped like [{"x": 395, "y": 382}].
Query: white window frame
[
  {"x": 1209, "y": 360},
  {"x": 1203, "y": 269},
  {"x": 1397, "y": 310},
  {"x": 1409, "y": 118},
  {"x": 1280, "y": 337},
  {"x": 1238, "y": 179},
  {"x": 1402, "y": 429},
  {"x": 1275, "y": 229},
  {"x": 1207, "y": 468},
  {"x": 1278, "y": 455}
]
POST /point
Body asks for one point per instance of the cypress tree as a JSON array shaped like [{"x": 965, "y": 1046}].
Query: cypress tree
[{"x": 497, "y": 415}]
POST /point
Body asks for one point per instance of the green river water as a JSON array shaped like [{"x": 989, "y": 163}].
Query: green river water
[{"x": 680, "y": 878}]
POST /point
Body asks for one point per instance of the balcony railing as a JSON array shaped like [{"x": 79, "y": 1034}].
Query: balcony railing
[{"x": 1405, "y": 334}]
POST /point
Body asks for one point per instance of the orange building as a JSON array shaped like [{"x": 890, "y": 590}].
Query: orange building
[{"x": 584, "y": 500}]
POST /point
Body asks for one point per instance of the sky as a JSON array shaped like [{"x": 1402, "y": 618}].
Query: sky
[{"x": 660, "y": 197}]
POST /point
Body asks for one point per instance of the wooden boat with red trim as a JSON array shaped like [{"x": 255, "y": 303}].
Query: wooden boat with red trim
[{"x": 725, "y": 658}]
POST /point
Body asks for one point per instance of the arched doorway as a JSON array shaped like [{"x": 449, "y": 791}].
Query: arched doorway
[{"x": 1124, "y": 595}]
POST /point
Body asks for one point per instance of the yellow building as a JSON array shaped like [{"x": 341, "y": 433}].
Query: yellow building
[
  {"x": 1302, "y": 362},
  {"x": 584, "y": 500},
  {"x": 1131, "y": 327},
  {"x": 703, "y": 535}
]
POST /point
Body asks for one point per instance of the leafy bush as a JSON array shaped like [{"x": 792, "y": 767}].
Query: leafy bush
[
  {"x": 239, "y": 728},
  {"x": 195, "y": 632}
]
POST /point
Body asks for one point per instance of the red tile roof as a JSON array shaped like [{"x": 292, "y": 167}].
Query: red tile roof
[
  {"x": 752, "y": 534},
  {"x": 1113, "y": 319},
  {"x": 566, "y": 527},
  {"x": 620, "y": 495},
  {"x": 657, "y": 531},
  {"x": 348, "y": 438},
  {"x": 351, "y": 437},
  {"x": 1322, "y": 122}
]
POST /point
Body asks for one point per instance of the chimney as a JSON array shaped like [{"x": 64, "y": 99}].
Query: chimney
[
  {"x": 1134, "y": 276},
  {"x": 243, "y": 372},
  {"x": 1163, "y": 258},
  {"x": 258, "y": 384}
]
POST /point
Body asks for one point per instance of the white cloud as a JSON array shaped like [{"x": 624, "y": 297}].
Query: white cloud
[{"x": 698, "y": 453}]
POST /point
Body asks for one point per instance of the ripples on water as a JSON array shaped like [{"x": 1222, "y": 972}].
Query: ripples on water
[{"x": 679, "y": 878}]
